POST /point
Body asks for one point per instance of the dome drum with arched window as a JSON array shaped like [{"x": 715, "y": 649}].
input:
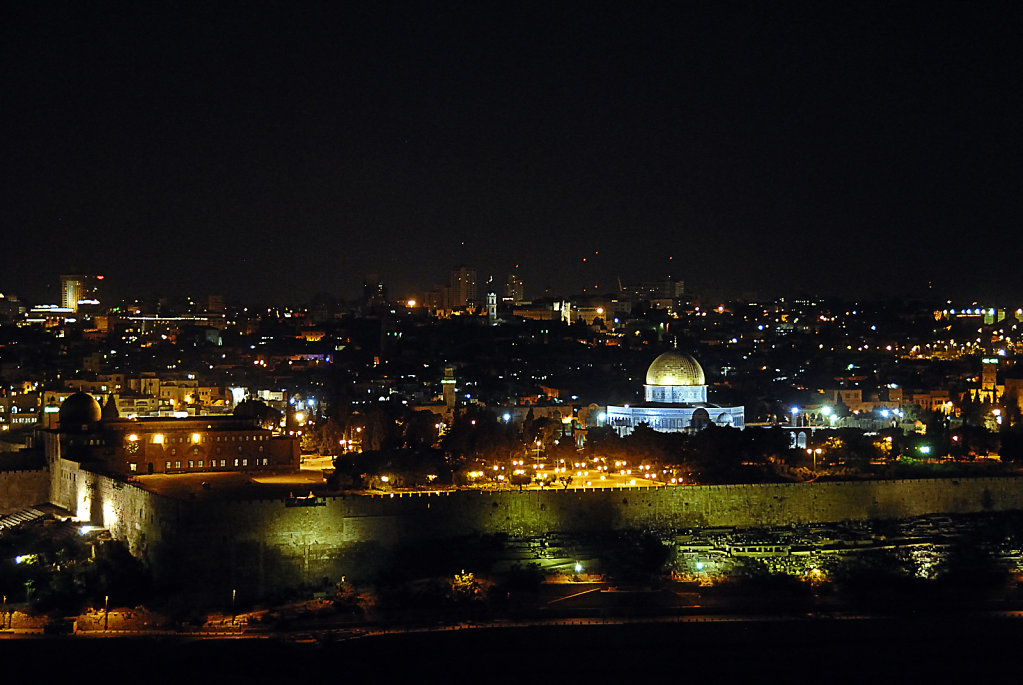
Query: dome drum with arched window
[{"x": 675, "y": 378}]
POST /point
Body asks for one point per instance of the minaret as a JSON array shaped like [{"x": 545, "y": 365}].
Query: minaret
[
  {"x": 492, "y": 308},
  {"x": 448, "y": 383},
  {"x": 110, "y": 408}
]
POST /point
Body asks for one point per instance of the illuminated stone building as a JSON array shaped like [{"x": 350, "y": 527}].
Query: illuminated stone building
[
  {"x": 19, "y": 409},
  {"x": 149, "y": 446},
  {"x": 675, "y": 400}
]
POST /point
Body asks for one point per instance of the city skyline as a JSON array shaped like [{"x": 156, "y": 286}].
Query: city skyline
[{"x": 278, "y": 153}]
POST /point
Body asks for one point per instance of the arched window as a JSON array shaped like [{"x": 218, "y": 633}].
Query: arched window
[{"x": 700, "y": 419}]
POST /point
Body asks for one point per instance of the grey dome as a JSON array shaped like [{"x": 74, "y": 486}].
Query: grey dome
[{"x": 79, "y": 412}]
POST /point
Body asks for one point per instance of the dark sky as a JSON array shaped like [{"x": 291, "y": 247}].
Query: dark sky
[{"x": 277, "y": 150}]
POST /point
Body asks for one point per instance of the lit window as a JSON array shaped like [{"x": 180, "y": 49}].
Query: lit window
[
  {"x": 200, "y": 463},
  {"x": 177, "y": 464},
  {"x": 133, "y": 467},
  {"x": 195, "y": 437},
  {"x": 236, "y": 462},
  {"x": 245, "y": 462},
  {"x": 191, "y": 464},
  {"x": 223, "y": 462},
  {"x": 168, "y": 465}
]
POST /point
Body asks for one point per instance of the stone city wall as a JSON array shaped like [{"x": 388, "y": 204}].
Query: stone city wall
[
  {"x": 130, "y": 513},
  {"x": 23, "y": 489},
  {"x": 258, "y": 546},
  {"x": 261, "y": 544}
]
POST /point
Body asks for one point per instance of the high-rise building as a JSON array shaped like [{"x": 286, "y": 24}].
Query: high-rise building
[
  {"x": 10, "y": 307},
  {"x": 374, "y": 292},
  {"x": 463, "y": 287},
  {"x": 78, "y": 288},
  {"x": 668, "y": 289},
  {"x": 514, "y": 290}
]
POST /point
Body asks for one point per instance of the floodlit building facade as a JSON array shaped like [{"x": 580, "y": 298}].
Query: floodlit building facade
[{"x": 142, "y": 446}]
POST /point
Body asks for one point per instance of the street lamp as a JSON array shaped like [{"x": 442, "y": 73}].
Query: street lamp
[{"x": 106, "y": 611}]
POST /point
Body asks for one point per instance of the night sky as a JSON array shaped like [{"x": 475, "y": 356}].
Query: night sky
[{"x": 273, "y": 151}]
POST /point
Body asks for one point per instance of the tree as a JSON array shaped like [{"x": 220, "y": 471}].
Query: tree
[
  {"x": 603, "y": 441},
  {"x": 257, "y": 409},
  {"x": 477, "y": 433},
  {"x": 1012, "y": 445},
  {"x": 419, "y": 430}
]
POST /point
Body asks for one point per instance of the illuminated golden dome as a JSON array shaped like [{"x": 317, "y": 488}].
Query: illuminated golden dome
[{"x": 675, "y": 368}]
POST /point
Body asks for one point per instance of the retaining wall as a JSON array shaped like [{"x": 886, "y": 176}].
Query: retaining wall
[
  {"x": 262, "y": 545},
  {"x": 23, "y": 489}
]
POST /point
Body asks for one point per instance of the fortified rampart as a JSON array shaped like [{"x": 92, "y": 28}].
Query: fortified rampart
[
  {"x": 259, "y": 545},
  {"x": 23, "y": 489}
]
